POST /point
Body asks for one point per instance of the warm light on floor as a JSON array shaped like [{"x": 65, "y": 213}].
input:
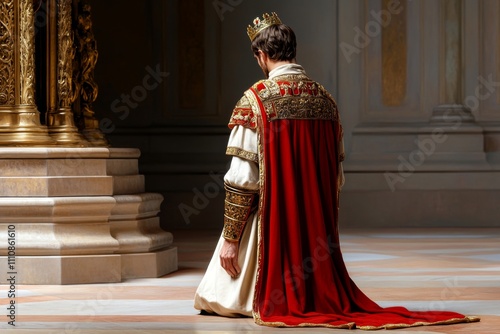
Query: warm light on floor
[{"x": 452, "y": 269}]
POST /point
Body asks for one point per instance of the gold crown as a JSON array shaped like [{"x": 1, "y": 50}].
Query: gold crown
[{"x": 259, "y": 25}]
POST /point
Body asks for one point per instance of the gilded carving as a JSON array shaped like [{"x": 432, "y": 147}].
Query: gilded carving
[
  {"x": 26, "y": 52},
  {"x": 85, "y": 87},
  {"x": 66, "y": 53},
  {"x": 87, "y": 51},
  {"x": 7, "y": 74},
  {"x": 20, "y": 123},
  {"x": 61, "y": 53}
]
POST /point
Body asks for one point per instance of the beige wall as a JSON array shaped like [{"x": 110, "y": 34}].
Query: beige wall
[
  {"x": 182, "y": 135},
  {"x": 408, "y": 165}
]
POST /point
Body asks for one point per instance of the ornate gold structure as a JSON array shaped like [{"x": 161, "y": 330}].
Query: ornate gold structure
[
  {"x": 67, "y": 81},
  {"x": 86, "y": 87},
  {"x": 19, "y": 116},
  {"x": 60, "y": 56}
]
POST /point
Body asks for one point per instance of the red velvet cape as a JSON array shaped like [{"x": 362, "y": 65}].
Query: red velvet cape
[{"x": 302, "y": 279}]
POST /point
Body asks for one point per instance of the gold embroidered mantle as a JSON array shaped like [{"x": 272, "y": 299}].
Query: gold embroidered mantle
[
  {"x": 285, "y": 97},
  {"x": 295, "y": 97}
]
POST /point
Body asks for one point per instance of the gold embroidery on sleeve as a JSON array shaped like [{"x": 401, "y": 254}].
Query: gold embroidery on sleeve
[
  {"x": 237, "y": 208},
  {"x": 238, "y": 152}
]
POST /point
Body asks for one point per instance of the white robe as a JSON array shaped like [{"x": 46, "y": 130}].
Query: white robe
[{"x": 218, "y": 292}]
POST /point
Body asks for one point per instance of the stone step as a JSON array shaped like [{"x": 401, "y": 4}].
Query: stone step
[
  {"x": 67, "y": 167},
  {"x": 140, "y": 236},
  {"x": 136, "y": 206},
  {"x": 68, "y": 162},
  {"x": 75, "y": 269},
  {"x": 51, "y": 210},
  {"x": 51, "y": 186},
  {"x": 128, "y": 184},
  {"x": 62, "y": 239}
]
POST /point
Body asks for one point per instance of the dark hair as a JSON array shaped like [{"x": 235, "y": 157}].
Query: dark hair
[{"x": 277, "y": 41}]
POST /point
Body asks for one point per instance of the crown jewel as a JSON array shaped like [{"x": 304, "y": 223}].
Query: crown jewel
[{"x": 259, "y": 25}]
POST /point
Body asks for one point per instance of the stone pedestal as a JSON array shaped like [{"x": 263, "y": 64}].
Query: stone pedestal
[{"x": 80, "y": 215}]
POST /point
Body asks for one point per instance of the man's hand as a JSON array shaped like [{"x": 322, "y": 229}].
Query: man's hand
[{"x": 229, "y": 258}]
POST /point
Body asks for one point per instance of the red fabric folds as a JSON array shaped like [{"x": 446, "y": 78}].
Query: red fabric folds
[{"x": 302, "y": 279}]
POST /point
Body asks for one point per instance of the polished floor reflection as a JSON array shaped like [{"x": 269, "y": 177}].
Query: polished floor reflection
[{"x": 452, "y": 269}]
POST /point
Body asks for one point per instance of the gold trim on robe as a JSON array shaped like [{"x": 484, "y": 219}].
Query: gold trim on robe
[{"x": 239, "y": 152}]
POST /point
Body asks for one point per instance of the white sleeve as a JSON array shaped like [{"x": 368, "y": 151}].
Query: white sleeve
[{"x": 244, "y": 170}]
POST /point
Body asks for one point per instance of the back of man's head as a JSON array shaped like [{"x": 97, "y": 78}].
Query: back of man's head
[{"x": 277, "y": 41}]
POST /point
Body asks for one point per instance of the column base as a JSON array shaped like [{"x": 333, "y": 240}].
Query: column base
[
  {"x": 57, "y": 270},
  {"x": 68, "y": 138},
  {"x": 62, "y": 129},
  {"x": 152, "y": 264},
  {"x": 26, "y": 139},
  {"x": 80, "y": 215},
  {"x": 20, "y": 126}
]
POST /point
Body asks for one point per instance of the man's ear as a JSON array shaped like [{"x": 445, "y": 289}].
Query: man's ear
[{"x": 263, "y": 55}]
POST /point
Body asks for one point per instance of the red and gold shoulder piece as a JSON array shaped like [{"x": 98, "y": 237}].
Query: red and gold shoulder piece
[
  {"x": 295, "y": 97},
  {"x": 266, "y": 89},
  {"x": 243, "y": 115}
]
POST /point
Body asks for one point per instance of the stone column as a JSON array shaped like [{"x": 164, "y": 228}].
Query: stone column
[
  {"x": 19, "y": 117},
  {"x": 464, "y": 144},
  {"x": 452, "y": 108}
]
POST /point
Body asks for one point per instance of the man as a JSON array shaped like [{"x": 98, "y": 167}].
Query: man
[{"x": 278, "y": 258}]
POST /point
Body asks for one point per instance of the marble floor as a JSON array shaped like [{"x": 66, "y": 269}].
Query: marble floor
[{"x": 452, "y": 269}]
